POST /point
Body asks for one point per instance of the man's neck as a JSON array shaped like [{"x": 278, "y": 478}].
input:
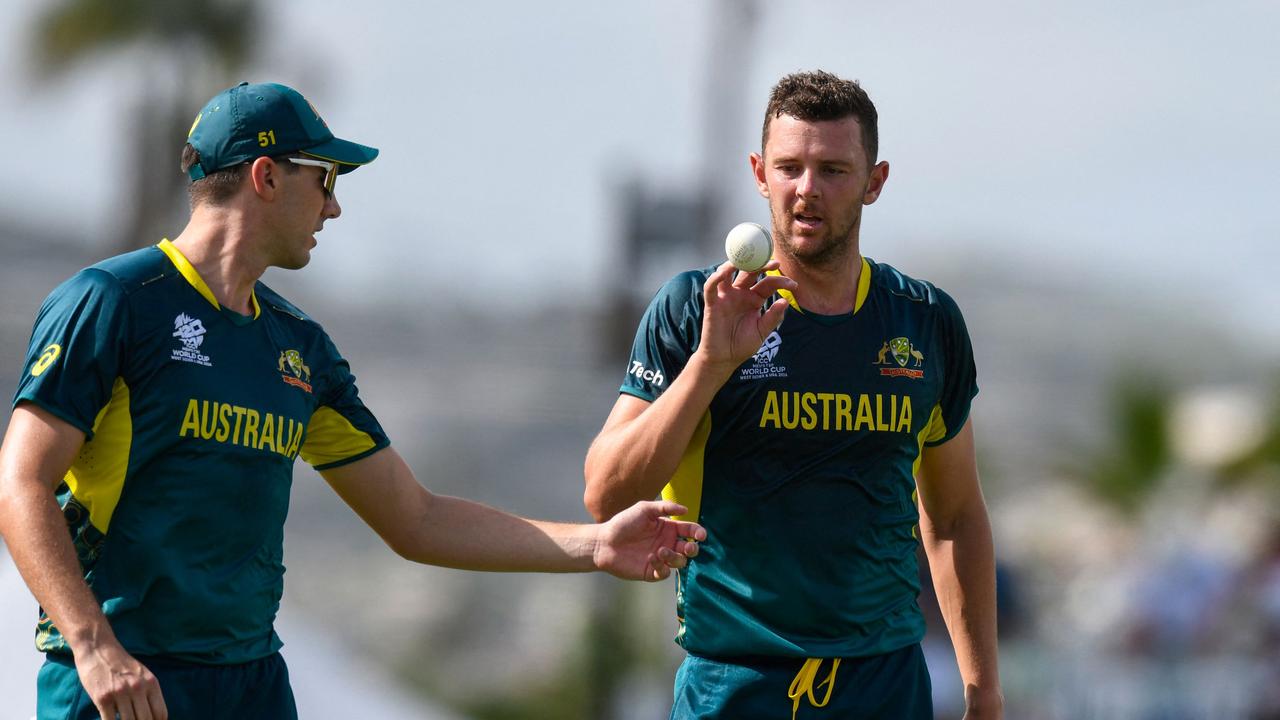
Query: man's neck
[
  {"x": 217, "y": 245},
  {"x": 827, "y": 289}
]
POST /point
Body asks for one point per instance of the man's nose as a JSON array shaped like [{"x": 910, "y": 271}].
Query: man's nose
[{"x": 807, "y": 185}]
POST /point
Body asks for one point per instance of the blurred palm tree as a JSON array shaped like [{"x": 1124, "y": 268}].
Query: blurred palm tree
[{"x": 185, "y": 52}]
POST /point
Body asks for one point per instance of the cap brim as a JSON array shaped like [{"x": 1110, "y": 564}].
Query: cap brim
[{"x": 347, "y": 154}]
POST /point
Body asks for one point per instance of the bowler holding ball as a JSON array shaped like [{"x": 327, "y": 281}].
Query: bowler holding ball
[{"x": 820, "y": 453}]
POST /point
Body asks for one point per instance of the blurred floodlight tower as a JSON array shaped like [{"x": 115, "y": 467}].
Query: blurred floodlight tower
[
  {"x": 665, "y": 230},
  {"x": 662, "y": 231}
]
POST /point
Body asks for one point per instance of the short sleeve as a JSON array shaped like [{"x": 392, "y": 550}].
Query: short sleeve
[
  {"x": 669, "y": 332},
  {"x": 960, "y": 375},
  {"x": 76, "y": 349},
  {"x": 341, "y": 430}
]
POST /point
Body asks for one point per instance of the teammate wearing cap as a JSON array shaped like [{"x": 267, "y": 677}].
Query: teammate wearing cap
[
  {"x": 820, "y": 429},
  {"x": 144, "y": 476}
]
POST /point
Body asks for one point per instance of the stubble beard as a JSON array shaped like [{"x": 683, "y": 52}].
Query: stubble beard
[{"x": 833, "y": 249}]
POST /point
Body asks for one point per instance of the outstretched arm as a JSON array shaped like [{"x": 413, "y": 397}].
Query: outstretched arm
[
  {"x": 640, "y": 544},
  {"x": 641, "y": 443},
  {"x": 956, "y": 533},
  {"x": 38, "y": 449}
]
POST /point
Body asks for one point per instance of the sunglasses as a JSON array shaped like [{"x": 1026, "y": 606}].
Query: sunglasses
[{"x": 330, "y": 170}]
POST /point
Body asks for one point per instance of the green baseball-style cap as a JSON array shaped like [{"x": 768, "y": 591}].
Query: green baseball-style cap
[{"x": 250, "y": 121}]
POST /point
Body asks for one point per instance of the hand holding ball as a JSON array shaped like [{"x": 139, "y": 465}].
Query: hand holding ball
[{"x": 748, "y": 246}]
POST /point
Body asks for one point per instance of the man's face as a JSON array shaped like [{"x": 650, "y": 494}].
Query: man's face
[
  {"x": 816, "y": 177},
  {"x": 304, "y": 208}
]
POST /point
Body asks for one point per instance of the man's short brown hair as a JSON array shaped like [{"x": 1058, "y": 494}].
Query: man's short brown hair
[
  {"x": 219, "y": 186},
  {"x": 818, "y": 95},
  {"x": 215, "y": 188}
]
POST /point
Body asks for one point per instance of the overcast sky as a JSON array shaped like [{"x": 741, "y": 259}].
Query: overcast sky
[{"x": 1132, "y": 145}]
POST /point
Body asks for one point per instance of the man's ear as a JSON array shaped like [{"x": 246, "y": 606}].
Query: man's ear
[
  {"x": 264, "y": 177},
  {"x": 757, "y": 170},
  {"x": 875, "y": 183}
]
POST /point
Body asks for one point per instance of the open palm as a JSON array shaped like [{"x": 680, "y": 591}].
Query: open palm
[{"x": 642, "y": 543}]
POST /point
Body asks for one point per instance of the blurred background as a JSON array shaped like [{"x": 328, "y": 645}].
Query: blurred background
[{"x": 1090, "y": 181}]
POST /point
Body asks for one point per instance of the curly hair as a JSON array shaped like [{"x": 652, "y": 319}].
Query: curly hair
[{"x": 819, "y": 95}]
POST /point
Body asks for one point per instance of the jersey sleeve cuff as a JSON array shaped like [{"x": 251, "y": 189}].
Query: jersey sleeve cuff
[
  {"x": 57, "y": 412},
  {"x": 628, "y": 390},
  {"x": 353, "y": 458},
  {"x": 952, "y": 431}
]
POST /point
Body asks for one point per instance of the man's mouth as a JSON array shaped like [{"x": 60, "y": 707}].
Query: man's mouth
[{"x": 807, "y": 220}]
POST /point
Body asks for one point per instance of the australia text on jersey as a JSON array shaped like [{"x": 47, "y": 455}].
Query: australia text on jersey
[
  {"x": 243, "y": 426},
  {"x": 791, "y": 410}
]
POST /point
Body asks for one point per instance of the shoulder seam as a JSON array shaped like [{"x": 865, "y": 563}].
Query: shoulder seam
[
  {"x": 929, "y": 296},
  {"x": 129, "y": 283},
  {"x": 295, "y": 314},
  {"x": 273, "y": 300},
  {"x": 898, "y": 284},
  {"x": 116, "y": 280}
]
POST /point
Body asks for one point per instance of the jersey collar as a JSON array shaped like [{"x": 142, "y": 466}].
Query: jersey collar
[
  {"x": 189, "y": 272},
  {"x": 864, "y": 288}
]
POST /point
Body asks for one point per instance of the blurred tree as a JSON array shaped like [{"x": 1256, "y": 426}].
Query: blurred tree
[
  {"x": 616, "y": 644},
  {"x": 186, "y": 51},
  {"x": 1139, "y": 448}
]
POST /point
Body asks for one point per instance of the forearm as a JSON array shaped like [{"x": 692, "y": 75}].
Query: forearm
[
  {"x": 633, "y": 460},
  {"x": 459, "y": 533},
  {"x": 36, "y": 534},
  {"x": 962, "y": 562}
]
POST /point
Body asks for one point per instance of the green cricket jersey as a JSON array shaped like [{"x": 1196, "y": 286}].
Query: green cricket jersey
[
  {"x": 193, "y": 416},
  {"x": 803, "y": 468}
]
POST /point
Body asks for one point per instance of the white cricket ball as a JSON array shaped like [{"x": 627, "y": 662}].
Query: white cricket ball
[{"x": 748, "y": 246}]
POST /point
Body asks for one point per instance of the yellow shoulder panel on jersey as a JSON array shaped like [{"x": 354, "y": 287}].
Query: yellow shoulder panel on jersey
[
  {"x": 332, "y": 438},
  {"x": 96, "y": 478},
  {"x": 935, "y": 429},
  {"x": 686, "y": 484}
]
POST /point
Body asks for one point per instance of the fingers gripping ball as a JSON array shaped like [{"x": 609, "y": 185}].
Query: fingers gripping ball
[{"x": 748, "y": 246}]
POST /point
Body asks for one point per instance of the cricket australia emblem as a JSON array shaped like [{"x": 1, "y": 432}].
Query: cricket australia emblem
[
  {"x": 190, "y": 334},
  {"x": 901, "y": 359},
  {"x": 762, "y": 363},
  {"x": 298, "y": 375}
]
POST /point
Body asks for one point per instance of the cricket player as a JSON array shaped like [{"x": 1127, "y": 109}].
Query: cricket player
[
  {"x": 815, "y": 419},
  {"x": 145, "y": 473}
]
